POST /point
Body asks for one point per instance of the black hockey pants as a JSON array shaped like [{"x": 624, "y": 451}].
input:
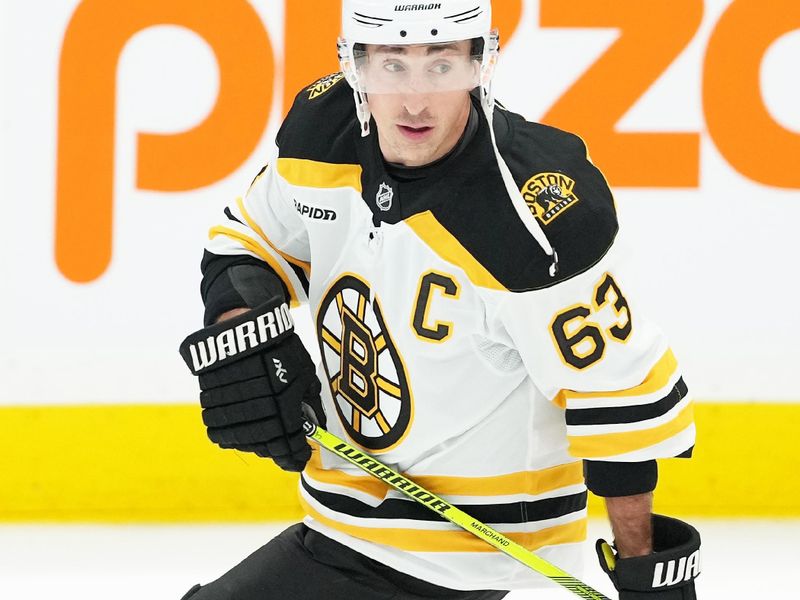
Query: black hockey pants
[{"x": 302, "y": 564}]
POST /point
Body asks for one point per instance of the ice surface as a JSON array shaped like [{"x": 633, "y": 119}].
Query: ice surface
[{"x": 741, "y": 560}]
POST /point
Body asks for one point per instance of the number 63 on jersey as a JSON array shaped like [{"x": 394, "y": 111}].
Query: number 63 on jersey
[{"x": 577, "y": 331}]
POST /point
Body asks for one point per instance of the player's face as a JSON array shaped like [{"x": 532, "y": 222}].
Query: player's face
[{"x": 419, "y": 98}]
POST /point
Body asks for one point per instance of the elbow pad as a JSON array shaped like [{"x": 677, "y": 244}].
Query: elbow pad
[
  {"x": 614, "y": 479},
  {"x": 237, "y": 282}
]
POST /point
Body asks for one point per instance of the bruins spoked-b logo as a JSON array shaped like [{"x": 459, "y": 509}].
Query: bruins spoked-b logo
[
  {"x": 365, "y": 372},
  {"x": 548, "y": 195}
]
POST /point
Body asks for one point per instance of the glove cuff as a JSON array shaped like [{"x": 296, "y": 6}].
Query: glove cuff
[
  {"x": 233, "y": 339},
  {"x": 674, "y": 564}
]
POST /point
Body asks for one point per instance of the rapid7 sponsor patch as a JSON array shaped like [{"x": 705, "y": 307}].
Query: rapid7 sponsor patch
[{"x": 313, "y": 212}]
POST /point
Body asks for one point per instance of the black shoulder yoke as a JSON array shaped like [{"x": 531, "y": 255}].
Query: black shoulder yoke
[
  {"x": 321, "y": 123},
  {"x": 466, "y": 193},
  {"x": 566, "y": 192}
]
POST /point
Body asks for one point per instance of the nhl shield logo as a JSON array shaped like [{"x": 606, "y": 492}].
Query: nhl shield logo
[{"x": 384, "y": 197}]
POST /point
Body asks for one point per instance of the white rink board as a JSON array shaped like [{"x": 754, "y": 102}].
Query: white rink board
[{"x": 714, "y": 265}]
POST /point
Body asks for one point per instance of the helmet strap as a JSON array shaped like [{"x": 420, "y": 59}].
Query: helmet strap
[
  {"x": 490, "y": 54},
  {"x": 362, "y": 109},
  {"x": 491, "y": 49},
  {"x": 347, "y": 62}
]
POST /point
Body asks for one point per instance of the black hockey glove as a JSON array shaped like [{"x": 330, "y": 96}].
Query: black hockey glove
[
  {"x": 667, "y": 574},
  {"x": 255, "y": 376}
]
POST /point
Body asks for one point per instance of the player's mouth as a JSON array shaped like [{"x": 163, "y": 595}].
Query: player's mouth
[{"x": 415, "y": 134}]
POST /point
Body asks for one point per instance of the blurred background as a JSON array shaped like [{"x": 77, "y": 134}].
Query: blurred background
[{"x": 125, "y": 128}]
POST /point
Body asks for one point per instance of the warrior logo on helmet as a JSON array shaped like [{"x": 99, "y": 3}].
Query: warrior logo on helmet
[
  {"x": 402, "y": 7},
  {"x": 366, "y": 374},
  {"x": 548, "y": 195}
]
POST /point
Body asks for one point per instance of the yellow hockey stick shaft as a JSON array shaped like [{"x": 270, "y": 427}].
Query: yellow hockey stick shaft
[{"x": 447, "y": 511}]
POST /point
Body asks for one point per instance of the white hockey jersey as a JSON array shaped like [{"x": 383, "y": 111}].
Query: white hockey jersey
[{"x": 448, "y": 350}]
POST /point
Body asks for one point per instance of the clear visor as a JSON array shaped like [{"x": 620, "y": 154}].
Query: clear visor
[{"x": 422, "y": 69}]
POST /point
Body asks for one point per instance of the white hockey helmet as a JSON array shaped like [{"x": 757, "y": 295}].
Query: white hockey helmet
[{"x": 402, "y": 23}]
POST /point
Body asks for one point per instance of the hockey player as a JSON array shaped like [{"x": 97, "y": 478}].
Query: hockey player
[{"x": 475, "y": 332}]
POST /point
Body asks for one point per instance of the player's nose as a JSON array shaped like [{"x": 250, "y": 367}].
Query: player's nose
[{"x": 415, "y": 104}]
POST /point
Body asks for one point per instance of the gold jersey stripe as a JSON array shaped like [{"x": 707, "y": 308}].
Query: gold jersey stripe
[
  {"x": 314, "y": 174},
  {"x": 366, "y": 484},
  {"x": 658, "y": 378},
  {"x": 456, "y": 540},
  {"x": 612, "y": 444},
  {"x": 441, "y": 241},
  {"x": 523, "y": 482},
  {"x": 255, "y": 227},
  {"x": 250, "y": 244}
]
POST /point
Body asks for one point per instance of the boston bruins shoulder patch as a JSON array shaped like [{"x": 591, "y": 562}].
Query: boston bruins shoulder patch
[
  {"x": 548, "y": 195},
  {"x": 366, "y": 374}
]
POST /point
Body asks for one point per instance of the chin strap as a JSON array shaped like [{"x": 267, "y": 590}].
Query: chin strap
[
  {"x": 347, "y": 62},
  {"x": 523, "y": 211},
  {"x": 362, "y": 109}
]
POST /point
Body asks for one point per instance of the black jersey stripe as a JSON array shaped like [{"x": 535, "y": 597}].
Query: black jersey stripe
[
  {"x": 397, "y": 508},
  {"x": 231, "y": 216},
  {"x": 628, "y": 414},
  {"x": 259, "y": 174},
  {"x": 301, "y": 275}
]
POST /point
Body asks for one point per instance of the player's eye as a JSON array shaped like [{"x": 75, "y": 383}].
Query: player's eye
[
  {"x": 441, "y": 68},
  {"x": 393, "y": 66}
]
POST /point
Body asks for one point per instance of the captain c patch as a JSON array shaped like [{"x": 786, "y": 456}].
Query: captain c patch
[{"x": 548, "y": 195}]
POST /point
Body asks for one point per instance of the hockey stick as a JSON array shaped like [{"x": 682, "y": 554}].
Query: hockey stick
[{"x": 447, "y": 511}]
